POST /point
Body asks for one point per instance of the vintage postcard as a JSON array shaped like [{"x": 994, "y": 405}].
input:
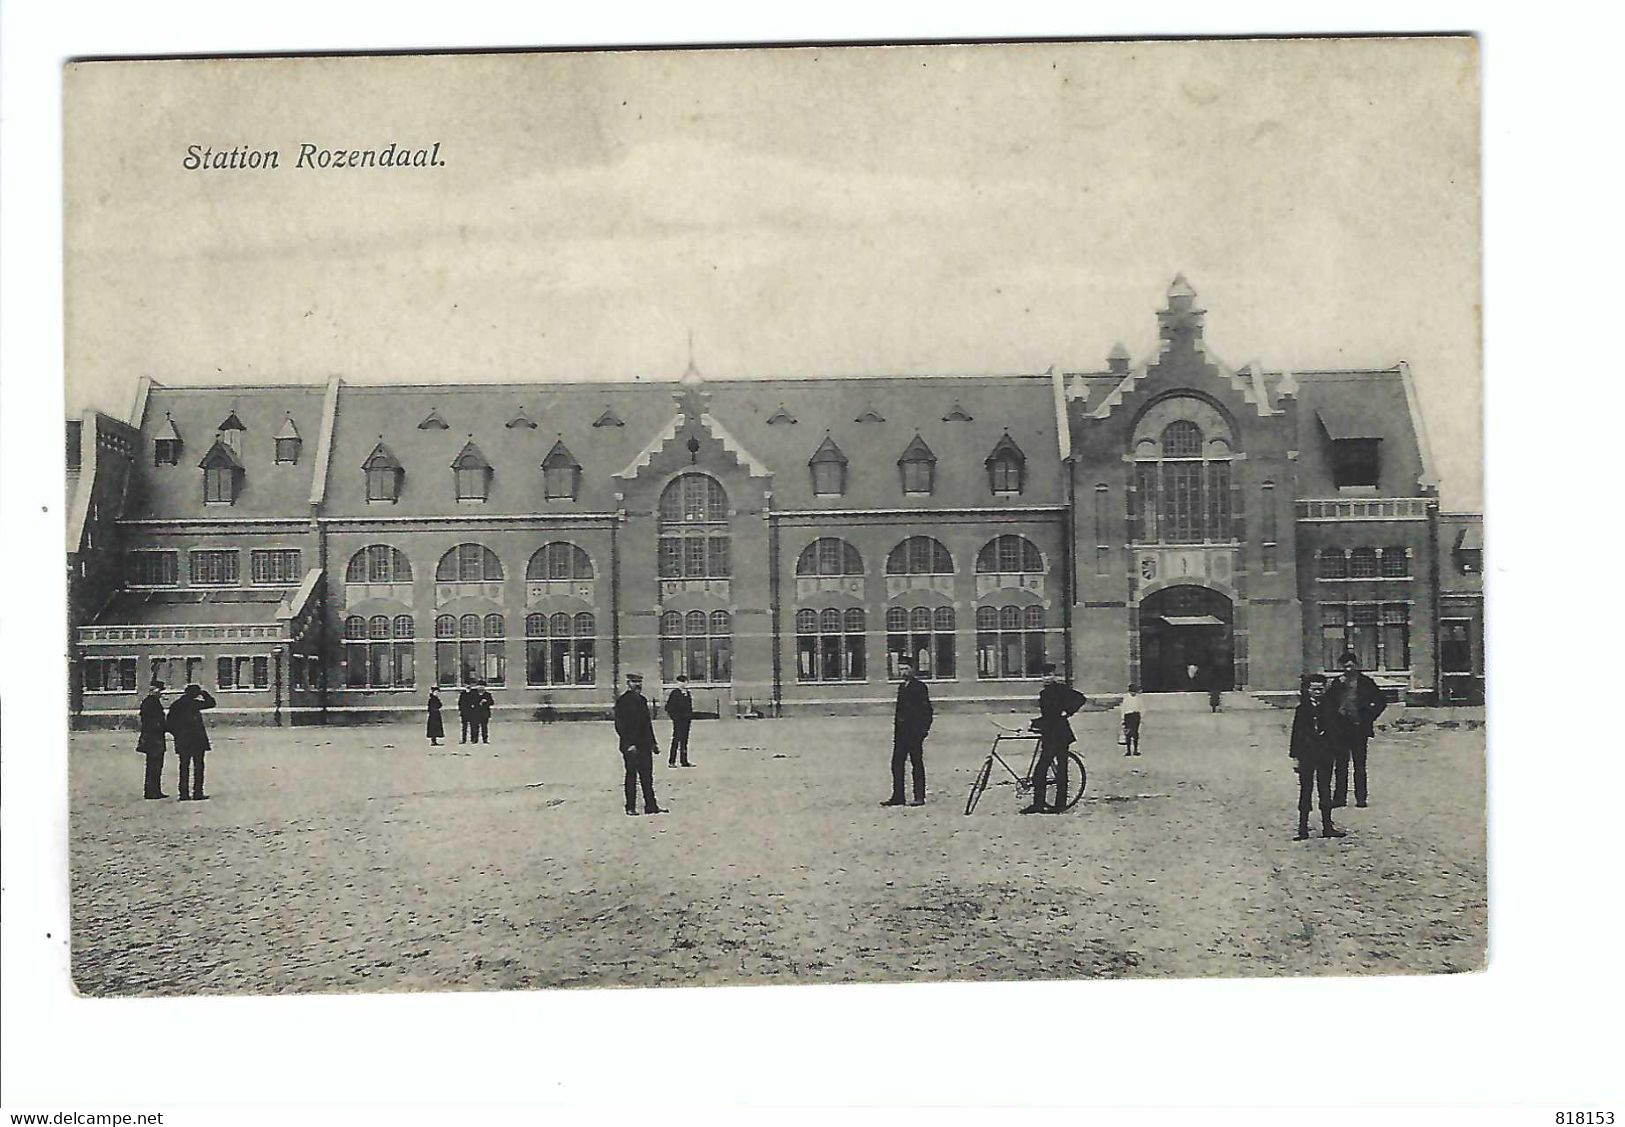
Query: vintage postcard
[{"x": 808, "y": 514}]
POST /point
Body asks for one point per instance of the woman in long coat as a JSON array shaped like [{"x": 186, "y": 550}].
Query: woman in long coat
[{"x": 437, "y": 730}]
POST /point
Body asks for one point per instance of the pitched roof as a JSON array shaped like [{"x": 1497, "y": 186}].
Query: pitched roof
[
  {"x": 828, "y": 452},
  {"x": 287, "y": 430},
  {"x": 470, "y": 457},
  {"x": 560, "y": 457},
  {"x": 1354, "y": 403},
  {"x": 220, "y": 455},
  {"x": 190, "y": 608},
  {"x": 1005, "y": 445},
  {"x": 917, "y": 451}
]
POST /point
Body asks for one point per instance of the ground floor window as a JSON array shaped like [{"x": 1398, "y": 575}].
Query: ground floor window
[
  {"x": 926, "y": 636},
  {"x": 1378, "y": 634},
  {"x": 109, "y": 674},
  {"x": 1010, "y": 641},
  {"x": 469, "y": 649},
  {"x": 174, "y": 672},
  {"x": 242, "y": 672},
  {"x": 559, "y": 649},
  {"x": 696, "y": 645},
  {"x": 830, "y": 645},
  {"x": 378, "y": 652}
]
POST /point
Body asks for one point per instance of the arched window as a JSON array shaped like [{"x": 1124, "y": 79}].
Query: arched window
[
  {"x": 926, "y": 636},
  {"x": 559, "y": 560},
  {"x": 560, "y": 650},
  {"x": 470, "y": 648},
  {"x": 1009, "y": 641},
  {"x": 1333, "y": 564},
  {"x": 697, "y": 646},
  {"x": 1182, "y": 492},
  {"x": 379, "y": 652},
  {"x": 378, "y": 563},
  {"x": 468, "y": 563},
  {"x": 829, "y": 556},
  {"x": 1009, "y": 554},
  {"x": 920, "y": 555},
  {"x": 694, "y": 529},
  {"x": 830, "y": 645}
]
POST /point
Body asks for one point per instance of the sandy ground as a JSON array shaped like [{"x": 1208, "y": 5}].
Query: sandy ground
[{"x": 363, "y": 859}]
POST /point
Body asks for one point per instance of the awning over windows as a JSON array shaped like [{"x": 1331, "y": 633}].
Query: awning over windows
[
  {"x": 1191, "y": 620},
  {"x": 1470, "y": 539},
  {"x": 1343, "y": 420}
]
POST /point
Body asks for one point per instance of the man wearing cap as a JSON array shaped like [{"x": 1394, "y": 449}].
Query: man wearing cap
[
  {"x": 680, "y": 707},
  {"x": 185, "y": 723},
  {"x": 1353, "y": 704},
  {"x": 1057, "y": 701},
  {"x": 151, "y": 741},
  {"x": 481, "y": 703},
  {"x": 1312, "y": 753},
  {"x": 636, "y": 733},
  {"x": 911, "y": 723}
]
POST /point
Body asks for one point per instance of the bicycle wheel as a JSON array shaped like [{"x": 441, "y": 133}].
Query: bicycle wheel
[
  {"x": 1077, "y": 778},
  {"x": 979, "y": 785}
]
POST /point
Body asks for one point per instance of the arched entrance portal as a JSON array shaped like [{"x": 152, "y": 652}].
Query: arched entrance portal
[{"x": 1182, "y": 627}]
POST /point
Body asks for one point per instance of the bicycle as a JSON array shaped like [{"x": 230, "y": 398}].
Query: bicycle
[{"x": 1077, "y": 777}]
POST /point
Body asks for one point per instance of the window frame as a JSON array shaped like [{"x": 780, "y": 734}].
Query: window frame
[
  {"x": 932, "y": 642},
  {"x": 136, "y": 580},
  {"x": 831, "y": 636},
  {"x": 551, "y": 647},
  {"x": 230, "y": 556},
  {"x": 1026, "y": 627},
  {"x": 708, "y": 651},
  {"x": 274, "y": 558}
]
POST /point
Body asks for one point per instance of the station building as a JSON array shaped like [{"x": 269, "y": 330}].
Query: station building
[{"x": 325, "y": 553}]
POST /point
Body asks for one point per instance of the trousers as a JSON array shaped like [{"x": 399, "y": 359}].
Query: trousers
[
  {"x": 679, "y": 738},
  {"x": 468, "y": 724},
  {"x": 1051, "y": 757},
  {"x": 191, "y": 770},
  {"x": 1314, "y": 777},
  {"x": 153, "y": 785},
  {"x": 907, "y": 748},
  {"x": 640, "y": 762},
  {"x": 479, "y": 729},
  {"x": 1351, "y": 749}
]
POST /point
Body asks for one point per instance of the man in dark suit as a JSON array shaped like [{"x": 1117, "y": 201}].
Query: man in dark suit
[
  {"x": 680, "y": 707},
  {"x": 152, "y": 740},
  {"x": 185, "y": 723},
  {"x": 1353, "y": 702},
  {"x": 481, "y": 702},
  {"x": 1057, "y": 702},
  {"x": 1312, "y": 752},
  {"x": 635, "y": 731},
  {"x": 911, "y": 724},
  {"x": 465, "y": 711}
]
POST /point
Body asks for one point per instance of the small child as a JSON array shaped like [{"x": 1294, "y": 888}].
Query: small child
[
  {"x": 1130, "y": 709},
  {"x": 1314, "y": 753}
]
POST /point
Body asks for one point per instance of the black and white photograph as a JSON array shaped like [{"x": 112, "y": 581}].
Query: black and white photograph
[{"x": 775, "y": 515}]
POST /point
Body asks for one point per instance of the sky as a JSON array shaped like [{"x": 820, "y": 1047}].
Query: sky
[{"x": 806, "y": 211}]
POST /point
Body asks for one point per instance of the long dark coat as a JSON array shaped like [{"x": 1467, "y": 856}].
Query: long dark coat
[
  {"x": 1311, "y": 737},
  {"x": 153, "y": 727},
  {"x": 437, "y": 729},
  {"x": 913, "y": 717},
  {"x": 186, "y": 722},
  {"x": 1368, "y": 704},
  {"x": 633, "y": 725}
]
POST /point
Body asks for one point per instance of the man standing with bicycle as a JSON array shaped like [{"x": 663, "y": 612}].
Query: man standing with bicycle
[{"x": 1057, "y": 702}]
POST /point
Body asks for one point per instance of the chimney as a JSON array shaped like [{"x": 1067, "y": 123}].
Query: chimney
[{"x": 1117, "y": 360}]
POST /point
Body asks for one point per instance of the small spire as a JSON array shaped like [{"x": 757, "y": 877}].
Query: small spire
[
  {"x": 1117, "y": 359},
  {"x": 1180, "y": 287}
]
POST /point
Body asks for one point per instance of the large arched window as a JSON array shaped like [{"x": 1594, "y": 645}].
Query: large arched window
[
  {"x": 378, "y": 563},
  {"x": 920, "y": 555},
  {"x": 694, "y": 529},
  {"x": 830, "y": 645},
  {"x": 1009, "y": 554},
  {"x": 1182, "y": 492},
  {"x": 924, "y": 634},
  {"x": 829, "y": 556},
  {"x": 468, "y": 563},
  {"x": 378, "y": 652},
  {"x": 559, "y": 560},
  {"x": 470, "y": 648},
  {"x": 696, "y": 645},
  {"x": 559, "y": 649},
  {"x": 1009, "y": 641}
]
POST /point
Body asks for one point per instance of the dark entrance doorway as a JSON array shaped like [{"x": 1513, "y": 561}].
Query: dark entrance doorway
[{"x": 1182, "y": 629}]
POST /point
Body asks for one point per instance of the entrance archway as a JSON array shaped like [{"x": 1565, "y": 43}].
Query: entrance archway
[{"x": 1183, "y": 627}]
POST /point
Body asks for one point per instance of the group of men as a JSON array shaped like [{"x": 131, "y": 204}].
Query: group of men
[
  {"x": 1330, "y": 731},
  {"x": 635, "y": 732},
  {"x": 184, "y": 721},
  {"x": 474, "y": 705}
]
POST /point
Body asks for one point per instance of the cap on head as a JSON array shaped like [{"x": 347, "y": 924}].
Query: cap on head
[
  {"x": 1315, "y": 679},
  {"x": 682, "y": 676},
  {"x": 1348, "y": 656},
  {"x": 1048, "y": 668},
  {"x": 157, "y": 686},
  {"x": 636, "y": 678},
  {"x": 905, "y": 662}
]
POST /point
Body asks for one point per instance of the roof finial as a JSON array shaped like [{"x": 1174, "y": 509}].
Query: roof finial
[{"x": 691, "y": 374}]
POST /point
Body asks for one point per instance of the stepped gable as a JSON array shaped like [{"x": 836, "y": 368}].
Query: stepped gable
[
  {"x": 907, "y": 405},
  {"x": 566, "y": 410},
  {"x": 268, "y": 490}
]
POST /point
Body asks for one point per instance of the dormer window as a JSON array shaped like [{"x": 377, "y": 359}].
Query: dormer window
[
  {"x": 166, "y": 444},
  {"x": 561, "y": 474},
  {"x": 1006, "y": 468},
  {"x": 918, "y": 467},
  {"x": 222, "y": 474},
  {"x": 1355, "y": 461},
  {"x": 472, "y": 472},
  {"x": 384, "y": 473},
  {"x": 287, "y": 444},
  {"x": 230, "y": 431},
  {"x": 828, "y": 465}
]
